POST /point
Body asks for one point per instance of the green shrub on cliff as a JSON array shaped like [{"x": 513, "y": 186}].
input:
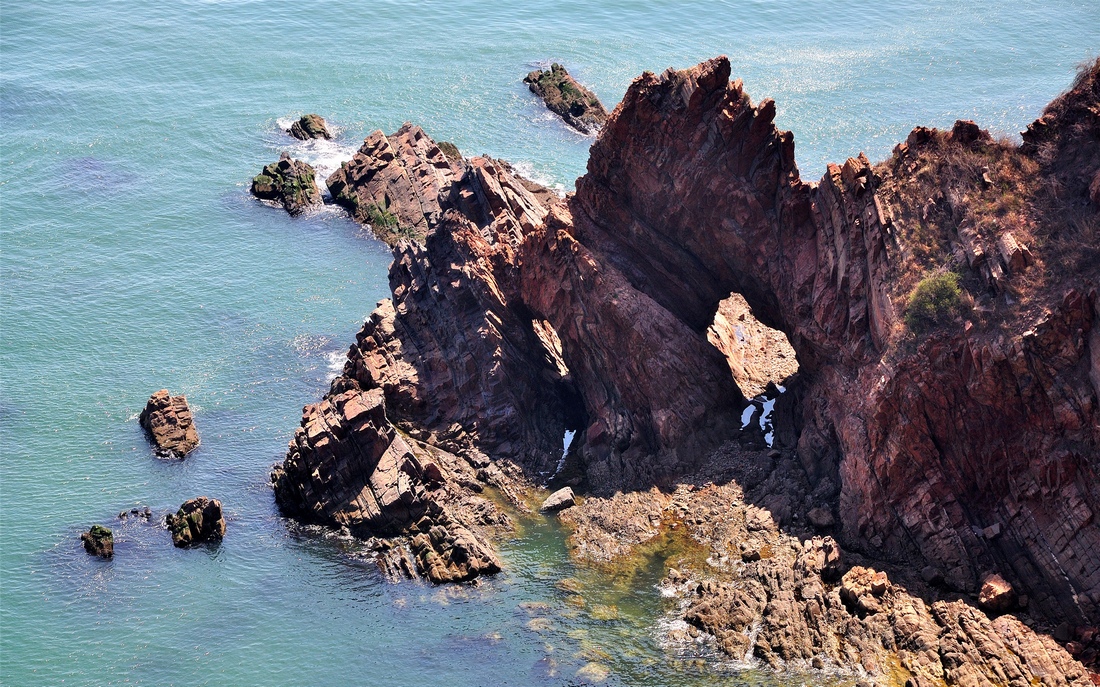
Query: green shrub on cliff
[{"x": 936, "y": 299}]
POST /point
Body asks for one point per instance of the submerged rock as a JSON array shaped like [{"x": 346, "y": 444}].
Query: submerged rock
[
  {"x": 310, "y": 126},
  {"x": 99, "y": 541},
  {"x": 168, "y": 422},
  {"x": 559, "y": 500},
  {"x": 290, "y": 182},
  {"x": 197, "y": 520},
  {"x": 578, "y": 106}
]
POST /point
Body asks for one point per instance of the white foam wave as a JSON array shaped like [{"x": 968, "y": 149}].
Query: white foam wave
[
  {"x": 527, "y": 170},
  {"x": 336, "y": 361}
]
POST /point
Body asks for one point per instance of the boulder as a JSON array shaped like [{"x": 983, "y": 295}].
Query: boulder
[
  {"x": 559, "y": 500},
  {"x": 290, "y": 182},
  {"x": 308, "y": 127},
  {"x": 99, "y": 541},
  {"x": 196, "y": 521},
  {"x": 168, "y": 422},
  {"x": 996, "y": 594},
  {"x": 578, "y": 106}
]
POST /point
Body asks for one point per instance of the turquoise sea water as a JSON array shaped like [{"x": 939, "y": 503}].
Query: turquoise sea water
[{"x": 133, "y": 259}]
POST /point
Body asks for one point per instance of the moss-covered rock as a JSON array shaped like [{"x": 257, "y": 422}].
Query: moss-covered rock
[
  {"x": 578, "y": 106},
  {"x": 310, "y": 126},
  {"x": 290, "y": 182},
  {"x": 196, "y": 521},
  {"x": 99, "y": 541}
]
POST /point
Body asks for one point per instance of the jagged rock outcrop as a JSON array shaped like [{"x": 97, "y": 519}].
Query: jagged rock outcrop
[
  {"x": 565, "y": 97},
  {"x": 348, "y": 467},
  {"x": 908, "y": 438},
  {"x": 310, "y": 126},
  {"x": 198, "y": 520},
  {"x": 396, "y": 183},
  {"x": 449, "y": 353},
  {"x": 99, "y": 541},
  {"x": 289, "y": 182},
  {"x": 168, "y": 422},
  {"x": 966, "y": 448}
]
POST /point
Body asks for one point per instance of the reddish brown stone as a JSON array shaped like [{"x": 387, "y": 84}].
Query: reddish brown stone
[{"x": 168, "y": 422}]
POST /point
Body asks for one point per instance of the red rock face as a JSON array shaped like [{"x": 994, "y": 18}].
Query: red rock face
[
  {"x": 522, "y": 315},
  {"x": 168, "y": 422}
]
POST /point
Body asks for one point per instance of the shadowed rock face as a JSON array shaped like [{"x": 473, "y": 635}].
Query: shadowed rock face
[{"x": 972, "y": 449}]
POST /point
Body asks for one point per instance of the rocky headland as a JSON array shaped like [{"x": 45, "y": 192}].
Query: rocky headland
[
  {"x": 943, "y": 426},
  {"x": 567, "y": 98}
]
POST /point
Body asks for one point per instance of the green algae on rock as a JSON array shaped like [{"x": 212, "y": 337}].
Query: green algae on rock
[
  {"x": 196, "y": 521},
  {"x": 310, "y": 126},
  {"x": 290, "y": 182},
  {"x": 565, "y": 97},
  {"x": 99, "y": 541}
]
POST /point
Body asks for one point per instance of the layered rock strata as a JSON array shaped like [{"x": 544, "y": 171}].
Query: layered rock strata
[
  {"x": 310, "y": 126},
  {"x": 197, "y": 520},
  {"x": 565, "y": 97},
  {"x": 963, "y": 449},
  {"x": 396, "y": 183},
  {"x": 168, "y": 422},
  {"x": 289, "y": 182},
  {"x": 909, "y": 438}
]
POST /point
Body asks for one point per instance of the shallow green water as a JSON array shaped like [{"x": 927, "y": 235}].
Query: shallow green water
[{"x": 133, "y": 259}]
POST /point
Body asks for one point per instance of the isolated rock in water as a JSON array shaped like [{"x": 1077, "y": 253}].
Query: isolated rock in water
[
  {"x": 290, "y": 182},
  {"x": 559, "y": 500},
  {"x": 168, "y": 422},
  {"x": 196, "y": 521},
  {"x": 578, "y": 106},
  {"x": 310, "y": 126},
  {"x": 996, "y": 595},
  {"x": 99, "y": 541}
]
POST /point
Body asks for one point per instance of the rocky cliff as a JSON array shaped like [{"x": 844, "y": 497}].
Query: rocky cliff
[{"x": 941, "y": 306}]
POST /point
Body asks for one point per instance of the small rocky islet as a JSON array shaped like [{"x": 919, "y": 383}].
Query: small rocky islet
[
  {"x": 310, "y": 126},
  {"x": 869, "y": 532},
  {"x": 168, "y": 422},
  {"x": 564, "y": 96},
  {"x": 197, "y": 520},
  {"x": 289, "y": 182}
]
